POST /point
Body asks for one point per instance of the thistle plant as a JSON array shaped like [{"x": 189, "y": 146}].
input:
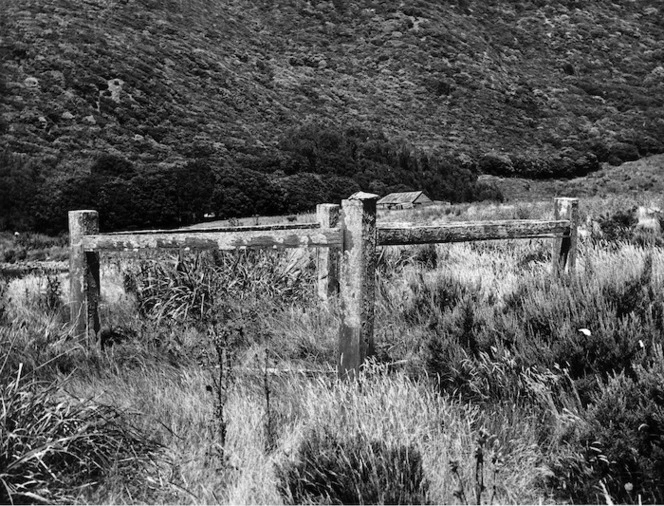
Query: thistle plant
[
  {"x": 223, "y": 337},
  {"x": 480, "y": 455}
]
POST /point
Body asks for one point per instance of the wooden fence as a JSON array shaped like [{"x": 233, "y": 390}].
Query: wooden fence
[{"x": 347, "y": 238}]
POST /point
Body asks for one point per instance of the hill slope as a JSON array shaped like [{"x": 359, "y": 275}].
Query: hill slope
[
  {"x": 642, "y": 180},
  {"x": 530, "y": 87}
]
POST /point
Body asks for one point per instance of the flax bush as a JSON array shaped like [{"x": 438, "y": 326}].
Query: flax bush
[
  {"x": 208, "y": 287},
  {"x": 178, "y": 291}
]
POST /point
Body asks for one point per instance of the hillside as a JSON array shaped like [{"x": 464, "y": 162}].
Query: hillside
[
  {"x": 270, "y": 91},
  {"x": 641, "y": 180}
]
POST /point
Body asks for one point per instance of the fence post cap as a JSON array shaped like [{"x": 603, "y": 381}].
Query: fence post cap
[
  {"x": 565, "y": 205},
  {"x": 363, "y": 196},
  {"x": 564, "y": 201}
]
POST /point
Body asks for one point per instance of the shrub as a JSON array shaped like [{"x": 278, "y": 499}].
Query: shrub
[
  {"x": 483, "y": 190},
  {"x": 497, "y": 165},
  {"x": 12, "y": 256},
  {"x": 353, "y": 471},
  {"x": 569, "y": 163},
  {"x": 621, "y": 444},
  {"x": 19, "y": 177},
  {"x": 620, "y": 152},
  {"x": 109, "y": 166},
  {"x": 539, "y": 326},
  {"x": 618, "y": 226}
]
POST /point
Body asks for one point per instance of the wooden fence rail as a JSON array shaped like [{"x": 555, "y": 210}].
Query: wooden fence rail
[{"x": 347, "y": 239}]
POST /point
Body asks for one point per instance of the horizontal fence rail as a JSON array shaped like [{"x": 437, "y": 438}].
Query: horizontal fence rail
[
  {"x": 311, "y": 235},
  {"x": 221, "y": 240},
  {"x": 471, "y": 231},
  {"x": 347, "y": 238},
  {"x": 239, "y": 228}
]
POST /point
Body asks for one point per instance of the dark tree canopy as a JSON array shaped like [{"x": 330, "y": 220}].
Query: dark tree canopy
[{"x": 313, "y": 164}]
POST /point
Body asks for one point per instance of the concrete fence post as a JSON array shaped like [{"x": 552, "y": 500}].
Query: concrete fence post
[
  {"x": 327, "y": 216},
  {"x": 357, "y": 286},
  {"x": 564, "y": 248},
  {"x": 84, "y": 287}
]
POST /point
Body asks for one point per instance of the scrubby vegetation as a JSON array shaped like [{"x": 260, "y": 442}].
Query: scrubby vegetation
[
  {"x": 161, "y": 112},
  {"x": 213, "y": 381},
  {"x": 319, "y": 164}
]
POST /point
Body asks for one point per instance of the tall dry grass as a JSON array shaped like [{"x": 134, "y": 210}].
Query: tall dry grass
[
  {"x": 56, "y": 447},
  {"x": 479, "y": 353}
]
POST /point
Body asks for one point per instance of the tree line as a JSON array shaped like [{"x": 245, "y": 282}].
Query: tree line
[{"x": 314, "y": 163}]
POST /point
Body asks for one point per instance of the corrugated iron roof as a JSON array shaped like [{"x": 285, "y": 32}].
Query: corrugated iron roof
[{"x": 400, "y": 198}]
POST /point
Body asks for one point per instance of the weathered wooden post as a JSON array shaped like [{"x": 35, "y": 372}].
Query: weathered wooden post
[
  {"x": 328, "y": 258},
  {"x": 564, "y": 248},
  {"x": 83, "y": 276},
  {"x": 357, "y": 282}
]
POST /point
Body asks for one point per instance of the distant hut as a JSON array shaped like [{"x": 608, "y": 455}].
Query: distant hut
[{"x": 406, "y": 200}]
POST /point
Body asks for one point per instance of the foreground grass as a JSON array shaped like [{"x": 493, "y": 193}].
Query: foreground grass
[
  {"x": 483, "y": 384},
  {"x": 175, "y": 409}
]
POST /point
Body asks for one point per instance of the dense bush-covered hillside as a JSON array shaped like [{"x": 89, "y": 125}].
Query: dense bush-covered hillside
[{"x": 281, "y": 104}]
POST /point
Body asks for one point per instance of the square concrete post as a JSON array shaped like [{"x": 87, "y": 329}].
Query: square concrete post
[
  {"x": 564, "y": 248},
  {"x": 84, "y": 287},
  {"x": 328, "y": 258},
  {"x": 357, "y": 287}
]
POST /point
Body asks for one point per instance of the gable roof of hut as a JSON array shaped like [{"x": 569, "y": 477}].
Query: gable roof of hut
[{"x": 401, "y": 198}]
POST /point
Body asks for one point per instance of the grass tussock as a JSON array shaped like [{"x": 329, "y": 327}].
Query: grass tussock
[
  {"x": 354, "y": 471},
  {"x": 56, "y": 448}
]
